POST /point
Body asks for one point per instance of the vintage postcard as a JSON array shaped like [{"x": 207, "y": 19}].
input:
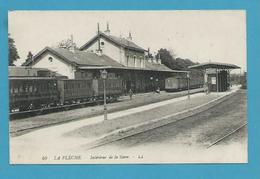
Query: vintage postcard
[{"x": 127, "y": 87}]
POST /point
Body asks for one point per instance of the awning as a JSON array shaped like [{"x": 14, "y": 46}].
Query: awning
[
  {"x": 128, "y": 68},
  {"x": 216, "y": 65}
]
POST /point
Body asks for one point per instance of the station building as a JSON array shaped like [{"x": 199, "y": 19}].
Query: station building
[
  {"x": 121, "y": 57},
  {"x": 216, "y": 75}
]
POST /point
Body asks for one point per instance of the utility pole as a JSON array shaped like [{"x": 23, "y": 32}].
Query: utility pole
[
  {"x": 188, "y": 78},
  {"x": 104, "y": 77}
]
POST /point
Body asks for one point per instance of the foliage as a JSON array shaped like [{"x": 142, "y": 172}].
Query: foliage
[
  {"x": 67, "y": 44},
  {"x": 168, "y": 58},
  {"x": 13, "y": 54}
]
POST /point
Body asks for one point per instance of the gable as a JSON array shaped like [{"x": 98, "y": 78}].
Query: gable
[
  {"x": 47, "y": 50},
  {"x": 52, "y": 62},
  {"x": 120, "y": 42}
]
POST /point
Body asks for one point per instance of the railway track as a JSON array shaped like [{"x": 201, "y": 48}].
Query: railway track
[
  {"x": 227, "y": 135},
  {"x": 23, "y": 114},
  {"x": 34, "y": 112}
]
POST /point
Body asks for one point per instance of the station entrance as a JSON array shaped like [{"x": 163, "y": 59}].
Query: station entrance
[{"x": 219, "y": 81}]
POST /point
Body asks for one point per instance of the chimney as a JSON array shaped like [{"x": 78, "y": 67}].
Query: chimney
[
  {"x": 159, "y": 59},
  {"x": 149, "y": 59},
  {"x": 129, "y": 36},
  {"x": 107, "y": 31},
  {"x": 98, "y": 51},
  {"x": 98, "y": 31},
  {"x": 72, "y": 44}
]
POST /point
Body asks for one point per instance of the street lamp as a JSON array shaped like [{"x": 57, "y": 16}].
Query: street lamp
[
  {"x": 151, "y": 78},
  {"x": 188, "y": 78},
  {"x": 104, "y": 77}
]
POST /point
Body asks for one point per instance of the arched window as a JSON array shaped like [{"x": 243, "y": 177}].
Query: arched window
[{"x": 50, "y": 59}]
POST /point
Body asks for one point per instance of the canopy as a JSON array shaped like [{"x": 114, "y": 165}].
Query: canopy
[{"x": 216, "y": 65}]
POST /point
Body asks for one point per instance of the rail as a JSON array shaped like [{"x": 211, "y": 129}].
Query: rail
[{"x": 227, "y": 135}]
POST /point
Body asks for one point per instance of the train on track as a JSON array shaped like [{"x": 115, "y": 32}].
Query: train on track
[
  {"x": 181, "y": 83},
  {"x": 30, "y": 93},
  {"x": 33, "y": 93}
]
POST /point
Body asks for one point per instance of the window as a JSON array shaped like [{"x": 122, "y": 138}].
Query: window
[
  {"x": 16, "y": 90},
  {"x": 102, "y": 43},
  {"x": 127, "y": 60},
  {"x": 50, "y": 59},
  {"x": 134, "y": 61}
]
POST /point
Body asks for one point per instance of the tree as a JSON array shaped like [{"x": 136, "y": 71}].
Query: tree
[
  {"x": 168, "y": 59},
  {"x": 67, "y": 44},
  {"x": 13, "y": 54}
]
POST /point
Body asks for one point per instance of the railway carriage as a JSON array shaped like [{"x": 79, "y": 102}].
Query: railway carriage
[
  {"x": 114, "y": 88},
  {"x": 176, "y": 83},
  {"x": 181, "y": 83},
  {"x": 75, "y": 91},
  {"x": 29, "y": 93},
  {"x": 32, "y": 93}
]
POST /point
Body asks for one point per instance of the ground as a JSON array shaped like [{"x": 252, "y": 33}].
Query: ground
[
  {"x": 196, "y": 133},
  {"x": 22, "y": 126},
  {"x": 185, "y": 140}
]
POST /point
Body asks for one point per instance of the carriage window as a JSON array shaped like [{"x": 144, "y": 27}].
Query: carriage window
[
  {"x": 16, "y": 90},
  {"x": 35, "y": 88},
  {"x": 49, "y": 86},
  {"x": 30, "y": 88},
  {"x": 21, "y": 89},
  {"x": 26, "y": 88}
]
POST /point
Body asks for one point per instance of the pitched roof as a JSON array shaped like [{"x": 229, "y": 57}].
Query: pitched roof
[
  {"x": 214, "y": 65},
  {"x": 159, "y": 67},
  {"x": 23, "y": 71},
  {"x": 116, "y": 40},
  {"x": 90, "y": 60},
  {"x": 78, "y": 58}
]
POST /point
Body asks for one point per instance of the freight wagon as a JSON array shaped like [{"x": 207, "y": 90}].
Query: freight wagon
[{"x": 181, "y": 83}]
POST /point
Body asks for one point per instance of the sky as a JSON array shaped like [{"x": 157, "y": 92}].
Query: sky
[{"x": 202, "y": 36}]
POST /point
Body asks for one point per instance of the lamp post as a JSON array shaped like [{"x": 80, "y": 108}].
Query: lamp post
[
  {"x": 188, "y": 78},
  {"x": 104, "y": 77},
  {"x": 157, "y": 88},
  {"x": 151, "y": 78}
]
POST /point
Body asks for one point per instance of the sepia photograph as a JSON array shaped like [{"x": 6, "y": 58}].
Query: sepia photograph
[{"x": 127, "y": 87}]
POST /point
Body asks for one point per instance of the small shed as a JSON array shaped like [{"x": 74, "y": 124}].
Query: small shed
[{"x": 216, "y": 75}]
